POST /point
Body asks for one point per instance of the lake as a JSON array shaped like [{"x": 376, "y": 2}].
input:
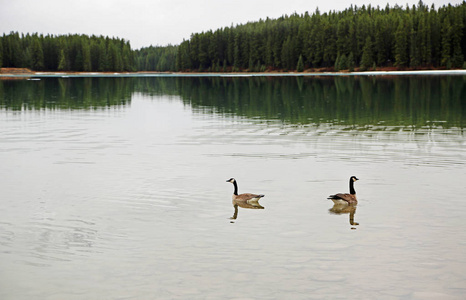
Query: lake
[{"x": 115, "y": 188}]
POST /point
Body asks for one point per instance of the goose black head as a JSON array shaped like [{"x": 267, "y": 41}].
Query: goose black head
[
  {"x": 353, "y": 178},
  {"x": 231, "y": 180}
]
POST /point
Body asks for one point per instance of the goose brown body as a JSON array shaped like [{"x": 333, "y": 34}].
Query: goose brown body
[
  {"x": 344, "y": 198},
  {"x": 348, "y": 198},
  {"x": 246, "y": 197}
]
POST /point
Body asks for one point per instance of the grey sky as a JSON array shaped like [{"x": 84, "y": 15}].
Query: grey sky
[{"x": 157, "y": 22}]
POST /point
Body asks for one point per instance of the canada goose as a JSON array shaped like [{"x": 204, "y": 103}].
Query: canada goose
[
  {"x": 247, "y": 197},
  {"x": 346, "y": 198}
]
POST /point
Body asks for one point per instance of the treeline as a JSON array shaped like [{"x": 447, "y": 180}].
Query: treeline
[
  {"x": 65, "y": 53},
  {"x": 364, "y": 37},
  {"x": 81, "y": 53},
  {"x": 358, "y": 37},
  {"x": 156, "y": 58}
]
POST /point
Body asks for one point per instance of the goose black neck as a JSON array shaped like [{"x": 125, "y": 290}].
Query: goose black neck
[
  {"x": 236, "y": 188},
  {"x": 351, "y": 187}
]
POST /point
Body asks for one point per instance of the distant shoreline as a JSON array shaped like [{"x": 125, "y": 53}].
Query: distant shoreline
[{"x": 26, "y": 73}]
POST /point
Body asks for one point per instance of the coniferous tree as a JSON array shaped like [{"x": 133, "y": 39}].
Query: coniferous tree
[
  {"x": 78, "y": 61},
  {"x": 342, "y": 62},
  {"x": 1, "y": 53},
  {"x": 414, "y": 49},
  {"x": 37, "y": 55},
  {"x": 15, "y": 52},
  {"x": 26, "y": 59},
  {"x": 103, "y": 57},
  {"x": 95, "y": 53},
  {"x": 286, "y": 59},
  {"x": 425, "y": 40},
  {"x": 401, "y": 45},
  {"x": 350, "y": 62},
  {"x": 62, "y": 61},
  {"x": 457, "y": 34},
  {"x": 367, "y": 59},
  {"x": 300, "y": 66},
  {"x": 86, "y": 56},
  {"x": 127, "y": 58},
  {"x": 435, "y": 35},
  {"x": 268, "y": 56},
  {"x": 447, "y": 32}
]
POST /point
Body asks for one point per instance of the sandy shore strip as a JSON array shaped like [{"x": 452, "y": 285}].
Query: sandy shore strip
[{"x": 239, "y": 74}]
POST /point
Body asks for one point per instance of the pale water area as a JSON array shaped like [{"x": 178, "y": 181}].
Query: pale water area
[{"x": 115, "y": 188}]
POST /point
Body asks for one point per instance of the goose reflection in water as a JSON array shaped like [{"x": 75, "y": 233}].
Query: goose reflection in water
[
  {"x": 243, "y": 204},
  {"x": 340, "y": 209}
]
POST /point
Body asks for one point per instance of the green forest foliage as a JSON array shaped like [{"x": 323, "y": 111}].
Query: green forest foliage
[
  {"x": 358, "y": 37},
  {"x": 65, "y": 53},
  {"x": 156, "y": 58},
  {"x": 365, "y": 37}
]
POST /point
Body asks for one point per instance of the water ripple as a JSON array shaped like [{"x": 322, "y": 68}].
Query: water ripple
[{"x": 436, "y": 147}]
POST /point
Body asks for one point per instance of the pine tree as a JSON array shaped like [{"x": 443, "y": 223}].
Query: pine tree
[
  {"x": 268, "y": 57},
  {"x": 350, "y": 62},
  {"x": 367, "y": 59},
  {"x": 425, "y": 40},
  {"x": 78, "y": 61},
  {"x": 1, "y": 53},
  {"x": 457, "y": 33},
  {"x": 251, "y": 65},
  {"x": 103, "y": 58},
  {"x": 286, "y": 54},
  {"x": 236, "y": 54},
  {"x": 94, "y": 45},
  {"x": 37, "y": 55},
  {"x": 401, "y": 45},
  {"x": 435, "y": 36},
  {"x": 343, "y": 62},
  {"x": 62, "y": 61},
  {"x": 446, "y": 43},
  {"x": 414, "y": 47},
  {"x": 15, "y": 53},
  {"x": 337, "y": 63},
  {"x": 300, "y": 66},
  {"x": 127, "y": 57},
  {"x": 86, "y": 54}
]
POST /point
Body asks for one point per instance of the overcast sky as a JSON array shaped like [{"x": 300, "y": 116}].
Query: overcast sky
[{"x": 157, "y": 22}]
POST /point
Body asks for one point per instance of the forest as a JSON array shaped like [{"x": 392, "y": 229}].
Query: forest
[
  {"x": 362, "y": 38},
  {"x": 65, "y": 53}
]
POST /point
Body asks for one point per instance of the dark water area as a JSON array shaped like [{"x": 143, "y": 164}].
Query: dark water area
[
  {"x": 360, "y": 101},
  {"x": 115, "y": 188}
]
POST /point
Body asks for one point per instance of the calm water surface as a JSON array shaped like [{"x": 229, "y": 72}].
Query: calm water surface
[{"x": 114, "y": 188}]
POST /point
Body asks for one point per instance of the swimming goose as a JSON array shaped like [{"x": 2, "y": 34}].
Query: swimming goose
[
  {"x": 247, "y": 197},
  {"x": 346, "y": 198}
]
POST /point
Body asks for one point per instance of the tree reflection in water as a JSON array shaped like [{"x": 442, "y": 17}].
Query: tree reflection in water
[{"x": 359, "y": 102}]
